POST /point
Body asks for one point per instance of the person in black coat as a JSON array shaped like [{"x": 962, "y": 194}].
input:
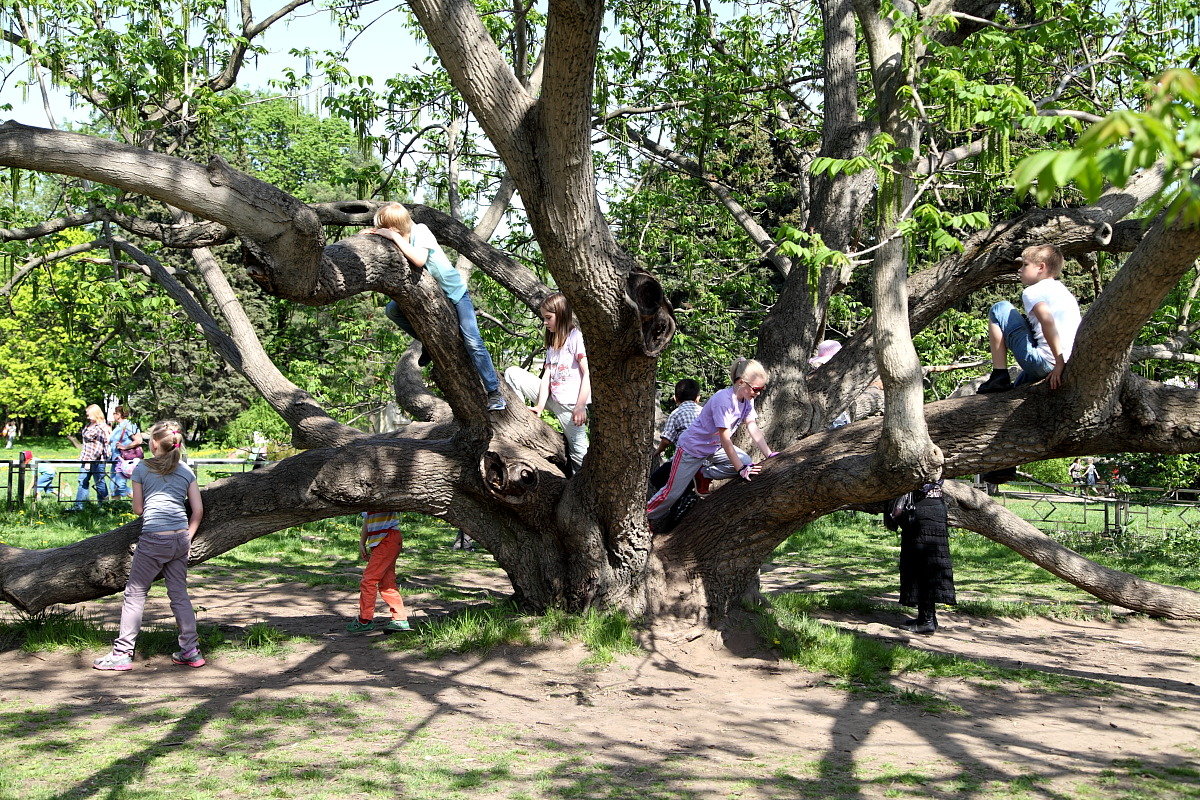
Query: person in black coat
[{"x": 926, "y": 574}]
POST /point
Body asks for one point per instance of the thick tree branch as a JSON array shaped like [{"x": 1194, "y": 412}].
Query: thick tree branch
[
  {"x": 1118, "y": 314},
  {"x": 279, "y": 227},
  {"x": 975, "y": 511},
  {"x": 412, "y": 394}
]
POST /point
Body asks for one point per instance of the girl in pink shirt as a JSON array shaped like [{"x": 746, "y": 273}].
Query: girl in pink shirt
[{"x": 564, "y": 387}]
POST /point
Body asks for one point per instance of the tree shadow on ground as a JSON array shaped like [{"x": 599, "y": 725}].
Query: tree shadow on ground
[{"x": 684, "y": 719}]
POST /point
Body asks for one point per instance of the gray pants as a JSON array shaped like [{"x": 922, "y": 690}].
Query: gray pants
[
  {"x": 165, "y": 552},
  {"x": 683, "y": 468},
  {"x": 526, "y": 384}
]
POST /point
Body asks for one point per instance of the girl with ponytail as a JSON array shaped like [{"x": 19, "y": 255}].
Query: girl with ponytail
[
  {"x": 167, "y": 498},
  {"x": 705, "y": 450}
]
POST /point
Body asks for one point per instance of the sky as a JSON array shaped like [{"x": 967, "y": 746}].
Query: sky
[{"x": 373, "y": 52}]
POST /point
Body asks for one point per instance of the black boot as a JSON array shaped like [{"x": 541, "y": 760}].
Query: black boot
[
  {"x": 998, "y": 381},
  {"x": 926, "y": 621}
]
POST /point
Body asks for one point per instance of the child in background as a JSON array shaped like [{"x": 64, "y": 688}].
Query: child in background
[
  {"x": 418, "y": 244},
  {"x": 687, "y": 392},
  {"x": 43, "y": 475},
  {"x": 564, "y": 387},
  {"x": 1042, "y": 342},
  {"x": 379, "y": 545},
  {"x": 164, "y": 489},
  {"x": 706, "y": 447}
]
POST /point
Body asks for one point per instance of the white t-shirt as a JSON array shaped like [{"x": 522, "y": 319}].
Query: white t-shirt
[
  {"x": 563, "y": 366},
  {"x": 1063, "y": 308}
]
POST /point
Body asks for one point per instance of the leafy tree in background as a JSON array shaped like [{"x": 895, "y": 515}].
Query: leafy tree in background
[{"x": 874, "y": 145}]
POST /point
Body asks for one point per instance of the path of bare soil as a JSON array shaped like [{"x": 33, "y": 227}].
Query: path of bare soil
[{"x": 702, "y": 713}]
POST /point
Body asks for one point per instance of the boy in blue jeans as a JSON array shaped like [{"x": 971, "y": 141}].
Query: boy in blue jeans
[
  {"x": 1041, "y": 339},
  {"x": 418, "y": 244}
]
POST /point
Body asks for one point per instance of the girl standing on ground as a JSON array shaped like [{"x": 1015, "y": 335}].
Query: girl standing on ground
[
  {"x": 564, "y": 387},
  {"x": 164, "y": 489},
  {"x": 705, "y": 450}
]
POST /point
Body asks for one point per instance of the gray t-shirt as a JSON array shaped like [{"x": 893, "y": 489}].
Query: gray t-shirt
[{"x": 163, "y": 497}]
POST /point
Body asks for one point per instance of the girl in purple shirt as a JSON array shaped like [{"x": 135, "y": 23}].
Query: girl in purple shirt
[{"x": 705, "y": 450}]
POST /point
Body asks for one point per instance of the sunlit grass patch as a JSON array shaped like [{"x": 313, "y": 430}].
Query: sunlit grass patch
[
  {"x": 482, "y": 628},
  {"x": 604, "y": 634},
  {"x": 476, "y": 629},
  {"x": 856, "y": 560},
  {"x": 872, "y": 664},
  {"x": 46, "y": 524},
  {"x": 79, "y": 632}
]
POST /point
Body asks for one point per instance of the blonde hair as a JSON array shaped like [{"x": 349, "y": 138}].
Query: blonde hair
[
  {"x": 394, "y": 216},
  {"x": 746, "y": 368},
  {"x": 1048, "y": 254},
  {"x": 169, "y": 436},
  {"x": 557, "y": 304},
  {"x": 94, "y": 413}
]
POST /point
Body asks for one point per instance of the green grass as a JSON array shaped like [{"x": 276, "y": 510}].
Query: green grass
[
  {"x": 335, "y": 746},
  {"x": 864, "y": 662},
  {"x": 78, "y": 632},
  {"x": 46, "y": 446},
  {"x": 42, "y": 525},
  {"x": 855, "y": 561},
  {"x": 482, "y": 628}
]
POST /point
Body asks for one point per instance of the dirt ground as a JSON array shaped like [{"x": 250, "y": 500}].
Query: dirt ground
[{"x": 704, "y": 712}]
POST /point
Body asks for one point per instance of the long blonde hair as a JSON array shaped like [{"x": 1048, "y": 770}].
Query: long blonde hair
[
  {"x": 94, "y": 413},
  {"x": 557, "y": 304},
  {"x": 169, "y": 436}
]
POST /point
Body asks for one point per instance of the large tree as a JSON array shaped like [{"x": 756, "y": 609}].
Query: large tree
[{"x": 581, "y": 540}]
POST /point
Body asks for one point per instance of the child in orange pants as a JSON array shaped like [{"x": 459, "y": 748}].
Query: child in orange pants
[{"x": 379, "y": 545}]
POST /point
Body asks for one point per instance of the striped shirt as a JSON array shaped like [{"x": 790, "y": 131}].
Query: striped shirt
[{"x": 379, "y": 524}]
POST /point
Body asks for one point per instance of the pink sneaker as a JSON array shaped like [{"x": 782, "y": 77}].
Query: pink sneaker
[{"x": 192, "y": 659}]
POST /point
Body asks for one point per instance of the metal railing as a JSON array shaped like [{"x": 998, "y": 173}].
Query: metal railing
[
  {"x": 1103, "y": 513},
  {"x": 20, "y": 481}
]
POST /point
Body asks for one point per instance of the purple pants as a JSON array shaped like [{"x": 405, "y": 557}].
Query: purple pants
[{"x": 165, "y": 552}]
